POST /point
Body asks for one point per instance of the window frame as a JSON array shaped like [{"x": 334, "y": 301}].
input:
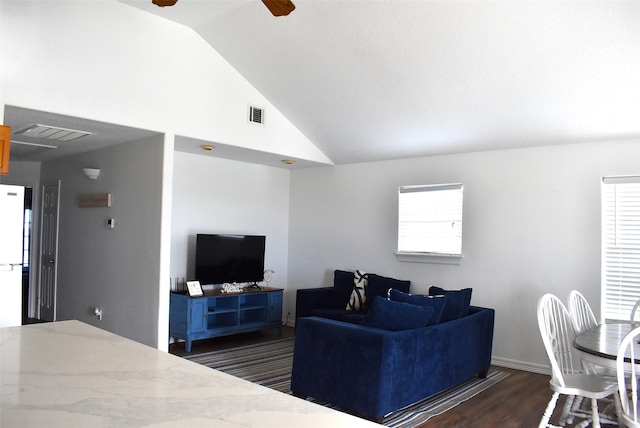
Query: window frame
[
  {"x": 619, "y": 293},
  {"x": 429, "y": 255}
]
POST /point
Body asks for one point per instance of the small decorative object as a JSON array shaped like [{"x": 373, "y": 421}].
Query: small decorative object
[
  {"x": 194, "y": 288},
  {"x": 231, "y": 288},
  {"x": 268, "y": 275},
  {"x": 94, "y": 200}
]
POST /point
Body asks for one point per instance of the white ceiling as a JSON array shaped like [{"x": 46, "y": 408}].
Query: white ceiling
[
  {"x": 373, "y": 80},
  {"x": 40, "y": 149}
]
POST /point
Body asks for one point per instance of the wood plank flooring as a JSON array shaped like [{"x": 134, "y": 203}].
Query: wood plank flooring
[{"x": 515, "y": 402}]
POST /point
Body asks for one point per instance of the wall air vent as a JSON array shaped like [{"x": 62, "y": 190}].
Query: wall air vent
[
  {"x": 256, "y": 115},
  {"x": 52, "y": 133}
]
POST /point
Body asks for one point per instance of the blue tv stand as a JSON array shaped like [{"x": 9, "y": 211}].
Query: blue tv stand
[{"x": 221, "y": 314}]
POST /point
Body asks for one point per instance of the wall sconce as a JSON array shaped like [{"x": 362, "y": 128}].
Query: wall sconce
[{"x": 91, "y": 173}]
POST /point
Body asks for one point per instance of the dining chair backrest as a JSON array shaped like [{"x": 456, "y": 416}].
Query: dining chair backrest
[
  {"x": 557, "y": 334},
  {"x": 634, "y": 311},
  {"x": 582, "y": 316},
  {"x": 627, "y": 375}
]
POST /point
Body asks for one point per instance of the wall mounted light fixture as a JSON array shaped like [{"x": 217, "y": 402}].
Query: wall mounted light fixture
[{"x": 92, "y": 173}]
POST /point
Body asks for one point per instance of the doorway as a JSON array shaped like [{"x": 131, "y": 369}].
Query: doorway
[{"x": 27, "y": 234}]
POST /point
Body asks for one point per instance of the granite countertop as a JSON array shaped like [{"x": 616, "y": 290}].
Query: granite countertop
[{"x": 69, "y": 373}]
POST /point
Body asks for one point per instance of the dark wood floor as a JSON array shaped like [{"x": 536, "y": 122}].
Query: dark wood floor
[{"x": 517, "y": 401}]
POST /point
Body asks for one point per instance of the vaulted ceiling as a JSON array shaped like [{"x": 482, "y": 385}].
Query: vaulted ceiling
[{"x": 374, "y": 80}]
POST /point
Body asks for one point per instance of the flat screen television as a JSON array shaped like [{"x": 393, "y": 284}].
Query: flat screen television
[{"x": 229, "y": 258}]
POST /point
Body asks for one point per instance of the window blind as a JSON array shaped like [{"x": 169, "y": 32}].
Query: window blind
[
  {"x": 620, "y": 246},
  {"x": 430, "y": 219}
]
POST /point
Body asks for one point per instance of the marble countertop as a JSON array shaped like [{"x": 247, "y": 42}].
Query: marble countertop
[{"x": 68, "y": 373}]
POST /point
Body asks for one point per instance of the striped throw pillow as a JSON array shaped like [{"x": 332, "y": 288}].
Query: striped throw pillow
[{"x": 358, "y": 297}]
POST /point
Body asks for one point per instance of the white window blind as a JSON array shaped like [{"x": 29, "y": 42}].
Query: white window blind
[
  {"x": 430, "y": 220},
  {"x": 620, "y": 246}
]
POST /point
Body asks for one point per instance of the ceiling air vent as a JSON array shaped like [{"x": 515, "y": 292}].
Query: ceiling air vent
[
  {"x": 256, "y": 115},
  {"x": 53, "y": 133}
]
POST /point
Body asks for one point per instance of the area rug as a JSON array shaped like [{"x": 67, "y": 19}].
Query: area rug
[{"x": 269, "y": 364}]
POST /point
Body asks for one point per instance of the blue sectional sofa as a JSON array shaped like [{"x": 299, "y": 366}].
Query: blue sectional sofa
[
  {"x": 373, "y": 371},
  {"x": 331, "y": 302}
]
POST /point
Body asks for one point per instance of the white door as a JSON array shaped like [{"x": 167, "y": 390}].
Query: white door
[
  {"x": 11, "y": 236},
  {"x": 49, "y": 252}
]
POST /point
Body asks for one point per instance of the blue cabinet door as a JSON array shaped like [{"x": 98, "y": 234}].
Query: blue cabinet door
[
  {"x": 275, "y": 306},
  {"x": 198, "y": 315}
]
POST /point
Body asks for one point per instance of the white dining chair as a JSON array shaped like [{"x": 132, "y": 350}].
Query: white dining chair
[
  {"x": 634, "y": 311},
  {"x": 628, "y": 379},
  {"x": 582, "y": 316},
  {"x": 567, "y": 374}
]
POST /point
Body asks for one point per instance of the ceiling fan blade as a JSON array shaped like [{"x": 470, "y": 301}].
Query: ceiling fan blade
[
  {"x": 163, "y": 3},
  {"x": 279, "y": 7}
]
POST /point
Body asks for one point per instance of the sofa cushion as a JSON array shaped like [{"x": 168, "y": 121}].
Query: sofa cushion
[
  {"x": 390, "y": 315},
  {"x": 338, "y": 315},
  {"x": 358, "y": 296},
  {"x": 352, "y": 317},
  {"x": 379, "y": 286},
  {"x": 457, "y": 302},
  {"x": 343, "y": 286},
  {"x": 435, "y": 302}
]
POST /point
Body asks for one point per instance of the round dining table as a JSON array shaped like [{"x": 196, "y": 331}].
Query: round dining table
[{"x": 600, "y": 344}]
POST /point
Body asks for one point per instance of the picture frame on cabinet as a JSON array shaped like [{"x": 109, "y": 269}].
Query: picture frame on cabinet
[{"x": 194, "y": 288}]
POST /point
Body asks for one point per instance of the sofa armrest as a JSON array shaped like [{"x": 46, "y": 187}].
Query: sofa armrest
[
  {"x": 373, "y": 371},
  {"x": 308, "y": 299},
  {"x": 350, "y": 365}
]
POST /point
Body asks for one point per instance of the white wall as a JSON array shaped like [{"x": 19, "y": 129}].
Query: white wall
[
  {"x": 104, "y": 60},
  {"x": 213, "y": 195},
  {"x": 24, "y": 173},
  {"x": 107, "y": 61},
  {"x": 117, "y": 270},
  {"x": 531, "y": 225}
]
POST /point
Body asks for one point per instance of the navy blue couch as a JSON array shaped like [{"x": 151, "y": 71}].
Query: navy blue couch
[
  {"x": 372, "y": 372},
  {"x": 331, "y": 302}
]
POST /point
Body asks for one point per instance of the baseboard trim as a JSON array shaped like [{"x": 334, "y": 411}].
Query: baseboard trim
[{"x": 521, "y": 365}]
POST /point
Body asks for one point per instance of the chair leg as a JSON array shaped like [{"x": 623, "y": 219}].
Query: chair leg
[
  {"x": 576, "y": 407},
  {"x": 618, "y": 409},
  {"x": 566, "y": 411},
  {"x": 595, "y": 413},
  {"x": 544, "y": 422}
]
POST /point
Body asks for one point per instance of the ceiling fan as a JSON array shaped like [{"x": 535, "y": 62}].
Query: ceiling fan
[{"x": 276, "y": 7}]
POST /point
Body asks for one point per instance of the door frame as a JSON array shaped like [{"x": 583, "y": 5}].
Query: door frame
[{"x": 56, "y": 244}]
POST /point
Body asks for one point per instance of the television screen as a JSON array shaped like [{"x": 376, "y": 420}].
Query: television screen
[{"x": 229, "y": 258}]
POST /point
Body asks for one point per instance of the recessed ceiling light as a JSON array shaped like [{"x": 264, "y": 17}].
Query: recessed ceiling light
[
  {"x": 288, "y": 161},
  {"x": 207, "y": 147}
]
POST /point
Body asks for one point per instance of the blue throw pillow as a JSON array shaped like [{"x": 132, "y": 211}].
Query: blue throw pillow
[
  {"x": 390, "y": 315},
  {"x": 379, "y": 285},
  {"x": 436, "y": 302},
  {"x": 458, "y": 302},
  {"x": 342, "y": 288}
]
